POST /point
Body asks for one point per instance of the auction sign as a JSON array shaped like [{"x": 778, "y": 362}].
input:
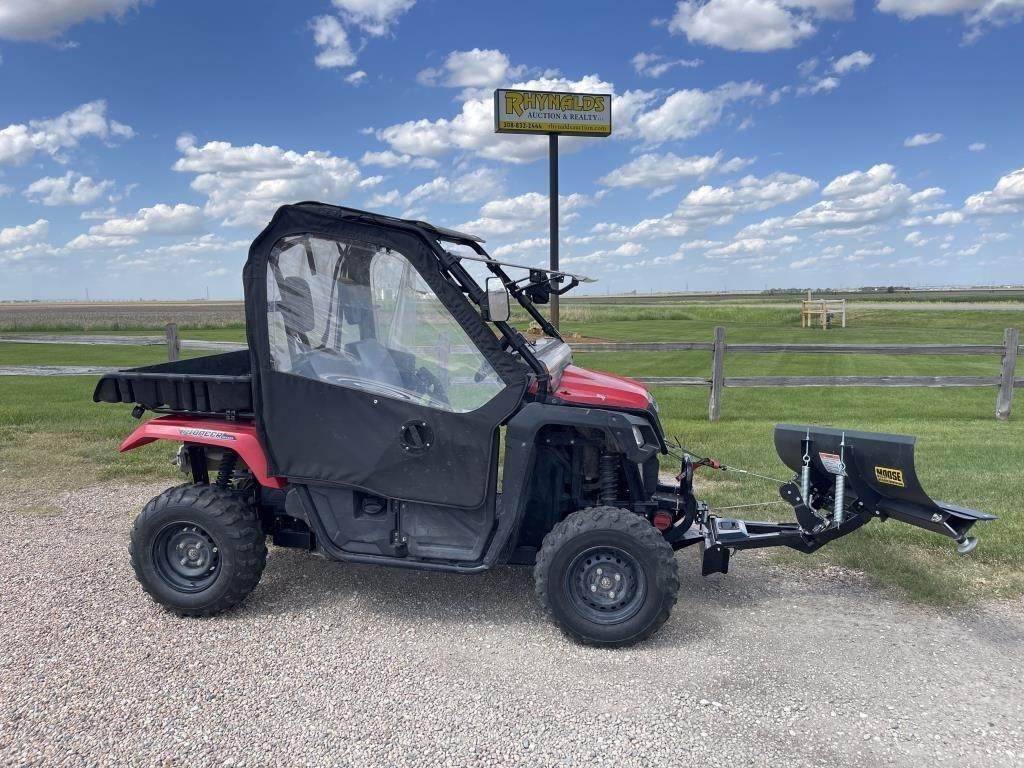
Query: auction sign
[{"x": 552, "y": 112}]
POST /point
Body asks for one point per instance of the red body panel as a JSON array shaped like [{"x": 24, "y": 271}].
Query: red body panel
[
  {"x": 238, "y": 436},
  {"x": 578, "y": 385}
]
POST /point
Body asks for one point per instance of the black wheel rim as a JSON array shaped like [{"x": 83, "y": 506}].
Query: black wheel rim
[
  {"x": 186, "y": 557},
  {"x": 605, "y": 585}
]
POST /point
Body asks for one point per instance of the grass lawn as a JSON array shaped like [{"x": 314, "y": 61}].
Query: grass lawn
[
  {"x": 750, "y": 324},
  {"x": 230, "y": 333},
  {"x": 113, "y": 355},
  {"x": 51, "y": 432},
  {"x": 788, "y": 364}
]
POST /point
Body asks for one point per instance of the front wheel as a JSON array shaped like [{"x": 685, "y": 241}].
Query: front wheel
[
  {"x": 197, "y": 549},
  {"x": 607, "y": 577}
]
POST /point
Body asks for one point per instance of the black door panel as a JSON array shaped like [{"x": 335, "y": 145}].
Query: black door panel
[{"x": 328, "y": 433}]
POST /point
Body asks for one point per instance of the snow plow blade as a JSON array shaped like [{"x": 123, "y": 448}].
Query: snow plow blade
[{"x": 881, "y": 478}]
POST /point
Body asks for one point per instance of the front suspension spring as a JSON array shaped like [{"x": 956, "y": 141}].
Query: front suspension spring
[{"x": 609, "y": 478}]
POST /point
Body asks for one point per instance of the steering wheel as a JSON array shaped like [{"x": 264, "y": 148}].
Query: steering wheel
[
  {"x": 369, "y": 386},
  {"x": 430, "y": 385}
]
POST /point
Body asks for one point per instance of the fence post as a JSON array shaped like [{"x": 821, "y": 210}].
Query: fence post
[
  {"x": 1004, "y": 398},
  {"x": 173, "y": 342},
  {"x": 717, "y": 375}
]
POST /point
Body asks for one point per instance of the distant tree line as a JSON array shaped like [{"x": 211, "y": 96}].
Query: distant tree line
[{"x": 836, "y": 291}]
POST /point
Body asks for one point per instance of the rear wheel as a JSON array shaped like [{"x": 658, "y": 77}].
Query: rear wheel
[
  {"x": 197, "y": 549},
  {"x": 607, "y": 577}
]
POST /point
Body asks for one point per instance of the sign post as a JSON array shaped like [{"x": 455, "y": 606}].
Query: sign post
[
  {"x": 553, "y": 215},
  {"x": 553, "y": 113}
]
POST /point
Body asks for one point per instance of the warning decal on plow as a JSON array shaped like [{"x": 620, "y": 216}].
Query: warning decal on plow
[
  {"x": 832, "y": 463},
  {"x": 890, "y": 476}
]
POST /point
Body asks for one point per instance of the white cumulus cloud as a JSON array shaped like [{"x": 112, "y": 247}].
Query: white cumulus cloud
[
  {"x": 656, "y": 65},
  {"x": 691, "y": 111},
  {"x": 24, "y": 234},
  {"x": 244, "y": 185},
  {"x": 472, "y": 70},
  {"x": 121, "y": 231},
  {"x": 854, "y": 200},
  {"x": 47, "y": 19},
  {"x": 754, "y": 25},
  {"x": 332, "y": 40},
  {"x": 389, "y": 159},
  {"x": 1006, "y": 197},
  {"x": 852, "y": 61},
  {"x": 978, "y": 15},
  {"x": 860, "y": 182},
  {"x": 374, "y": 17},
  {"x": 19, "y": 142},
  {"x": 653, "y": 170},
  {"x": 521, "y": 214},
  {"x": 160, "y": 219},
  {"x": 465, "y": 188},
  {"x": 70, "y": 189},
  {"x": 922, "y": 139},
  {"x": 708, "y": 205}
]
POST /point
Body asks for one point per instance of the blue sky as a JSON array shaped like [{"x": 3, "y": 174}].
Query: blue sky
[{"x": 757, "y": 143}]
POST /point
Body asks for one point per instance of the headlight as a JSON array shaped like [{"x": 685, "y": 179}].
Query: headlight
[
  {"x": 652, "y": 401},
  {"x": 638, "y": 436}
]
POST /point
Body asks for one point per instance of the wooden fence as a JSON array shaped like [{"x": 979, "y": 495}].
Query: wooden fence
[{"x": 717, "y": 382}]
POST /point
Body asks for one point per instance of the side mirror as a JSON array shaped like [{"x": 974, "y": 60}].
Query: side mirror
[{"x": 496, "y": 304}]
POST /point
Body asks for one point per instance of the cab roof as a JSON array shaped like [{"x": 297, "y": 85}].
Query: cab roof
[{"x": 443, "y": 233}]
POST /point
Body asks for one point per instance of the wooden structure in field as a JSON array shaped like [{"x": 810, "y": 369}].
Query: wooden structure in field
[{"x": 821, "y": 312}]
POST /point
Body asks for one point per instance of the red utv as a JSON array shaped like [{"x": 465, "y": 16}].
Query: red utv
[{"x": 366, "y": 423}]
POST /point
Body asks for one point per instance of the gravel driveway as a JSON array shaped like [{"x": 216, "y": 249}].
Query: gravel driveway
[{"x": 331, "y": 664}]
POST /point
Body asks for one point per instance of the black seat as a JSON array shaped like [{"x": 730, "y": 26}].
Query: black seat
[
  {"x": 297, "y": 309},
  {"x": 298, "y": 316}
]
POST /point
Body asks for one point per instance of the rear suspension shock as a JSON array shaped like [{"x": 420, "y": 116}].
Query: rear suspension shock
[
  {"x": 609, "y": 478},
  {"x": 227, "y": 467}
]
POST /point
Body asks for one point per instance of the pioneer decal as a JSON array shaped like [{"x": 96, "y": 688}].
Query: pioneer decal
[{"x": 208, "y": 433}]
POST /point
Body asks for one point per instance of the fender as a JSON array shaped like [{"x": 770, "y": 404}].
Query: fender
[{"x": 238, "y": 436}]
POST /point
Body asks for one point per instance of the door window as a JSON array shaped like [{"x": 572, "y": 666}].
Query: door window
[{"x": 355, "y": 314}]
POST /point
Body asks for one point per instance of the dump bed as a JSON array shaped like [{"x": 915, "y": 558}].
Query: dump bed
[{"x": 213, "y": 384}]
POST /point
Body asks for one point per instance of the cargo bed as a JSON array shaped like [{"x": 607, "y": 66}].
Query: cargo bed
[{"x": 209, "y": 385}]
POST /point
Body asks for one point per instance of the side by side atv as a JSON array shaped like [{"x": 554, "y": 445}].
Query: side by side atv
[{"x": 366, "y": 423}]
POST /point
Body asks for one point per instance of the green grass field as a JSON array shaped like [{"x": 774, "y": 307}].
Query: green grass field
[{"x": 52, "y": 433}]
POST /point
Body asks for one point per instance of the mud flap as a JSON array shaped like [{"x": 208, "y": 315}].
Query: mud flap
[{"x": 881, "y": 478}]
